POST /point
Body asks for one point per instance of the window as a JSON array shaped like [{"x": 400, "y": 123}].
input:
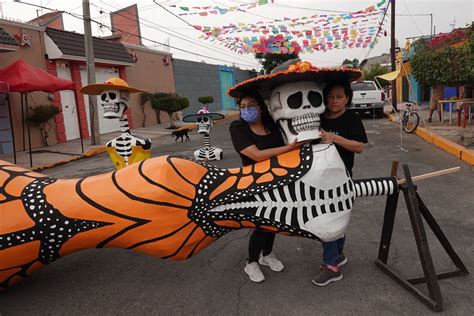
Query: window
[{"x": 363, "y": 86}]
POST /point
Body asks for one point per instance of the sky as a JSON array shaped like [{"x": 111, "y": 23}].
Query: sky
[{"x": 413, "y": 19}]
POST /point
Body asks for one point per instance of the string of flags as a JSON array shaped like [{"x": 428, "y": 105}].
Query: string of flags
[
  {"x": 216, "y": 10},
  {"x": 318, "y": 32}
]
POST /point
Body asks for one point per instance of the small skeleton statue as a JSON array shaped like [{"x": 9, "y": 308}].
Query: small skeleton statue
[
  {"x": 114, "y": 99},
  {"x": 205, "y": 120}
]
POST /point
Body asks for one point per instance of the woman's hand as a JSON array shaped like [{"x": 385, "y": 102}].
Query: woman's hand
[
  {"x": 328, "y": 138},
  {"x": 295, "y": 144}
]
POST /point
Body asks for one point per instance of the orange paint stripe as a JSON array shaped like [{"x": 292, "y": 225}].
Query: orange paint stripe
[
  {"x": 16, "y": 186},
  {"x": 244, "y": 182},
  {"x": 229, "y": 182},
  {"x": 270, "y": 228},
  {"x": 267, "y": 177},
  {"x": 290, "y": 159},
  {"x": 14, "y": 168},
  {"x": 196, "y": 237},
  {"x": 247, "y": 169},
  {"x": 192, "y": 171},
  {"x": 280, "y": 171},
  {"x": 3, "y": 177},
  {"x": 18, "y": 255},
  {"x": 8, "y": 273},
  {"x": 228, "y": 223},
  {"x": 160, "y": 171},
  {"x": 262, "y": 166},
  {"x": 34, "y": 267},
  {"x": 167, "y": 246},
  {"x": 248, "y": 224},
  {"x": 13, "y": 217}
]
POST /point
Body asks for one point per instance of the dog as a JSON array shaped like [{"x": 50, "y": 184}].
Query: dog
[{"x": 181, "y": 133}]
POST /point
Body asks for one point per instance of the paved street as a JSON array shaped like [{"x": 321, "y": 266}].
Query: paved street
[{"x": 116, "y": 281}]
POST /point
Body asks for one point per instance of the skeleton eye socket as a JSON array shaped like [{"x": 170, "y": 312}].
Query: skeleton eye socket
[
  {"x": 205, "y": 119},
  {"x": 112, "y": 95},
  {"x": 295, "y": 100},
  {"x": 103, "y": 97},
  {"x": 315, "y": 98},
  {"x": 199, "y": 119}
]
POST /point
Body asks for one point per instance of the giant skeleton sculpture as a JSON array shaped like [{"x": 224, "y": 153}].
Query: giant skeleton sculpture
[
  {"x": 173, "y": 207},
  {"x": 205, "y": 121},
  {"x": 114, "y": 98}
]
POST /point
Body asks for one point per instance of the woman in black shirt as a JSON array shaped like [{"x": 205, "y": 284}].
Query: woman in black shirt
[{"x": 256, "y": 138}]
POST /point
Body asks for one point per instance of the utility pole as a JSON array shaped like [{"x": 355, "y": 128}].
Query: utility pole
[
  {"x": 93, "y": 113},
  {"x": 392, "y": 53}
]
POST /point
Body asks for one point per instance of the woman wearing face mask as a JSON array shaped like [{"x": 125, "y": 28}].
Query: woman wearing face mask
[{"x": 256, "y": 138}]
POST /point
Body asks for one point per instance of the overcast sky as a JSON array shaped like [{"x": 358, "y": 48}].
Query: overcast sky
[{"x": 414, "y": 20}]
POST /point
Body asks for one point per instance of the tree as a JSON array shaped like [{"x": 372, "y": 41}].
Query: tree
[
  {"x": 351, "y": 63},
  {"x": 374, "y": 71},
  {"x": 447, "y": 59},
  {"x": 170, "y": 104},
  {"x": 205, "y": 100},
  {"x": 144, "y": 98},
  {"x": 270, "y": 61},
  {"x": 155, "y": 96},
  {"x": 41, "y": 117}
]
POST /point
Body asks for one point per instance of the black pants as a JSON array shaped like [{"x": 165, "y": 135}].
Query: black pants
[{"x": 260, "y": 242}]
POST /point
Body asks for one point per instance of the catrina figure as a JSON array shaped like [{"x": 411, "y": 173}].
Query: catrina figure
[
  {"x": 114, "y": 98},
  {"x": 205, "y": 121}
]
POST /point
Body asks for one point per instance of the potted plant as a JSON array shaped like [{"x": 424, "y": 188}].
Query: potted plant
[{"x": 41, "y": 116}]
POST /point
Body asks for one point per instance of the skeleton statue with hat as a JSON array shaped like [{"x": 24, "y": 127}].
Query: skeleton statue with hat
[
  {"x": 205, "y": 120},
  {"x": 294, "y": 91},
  {"x": 114, "y": 98}
]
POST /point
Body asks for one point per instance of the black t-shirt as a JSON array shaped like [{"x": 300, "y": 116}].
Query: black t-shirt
[
  {"x": 348, "y": 125},
  {"x": 243, "y": 137}
]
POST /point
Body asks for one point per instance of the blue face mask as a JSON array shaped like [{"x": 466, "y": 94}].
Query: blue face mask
[{"x": 250, "y": 115}]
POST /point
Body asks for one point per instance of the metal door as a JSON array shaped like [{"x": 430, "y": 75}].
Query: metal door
[{"x": 226, "y": 76}]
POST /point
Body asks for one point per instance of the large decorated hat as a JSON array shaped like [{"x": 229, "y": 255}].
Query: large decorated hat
[
  {"x": 292, "y": 71},
  {"x": 110, "y": 84},
  {"x": 201, "y": 113}
]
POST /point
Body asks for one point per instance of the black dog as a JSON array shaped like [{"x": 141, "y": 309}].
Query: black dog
[{"x": 181, "y": 133}]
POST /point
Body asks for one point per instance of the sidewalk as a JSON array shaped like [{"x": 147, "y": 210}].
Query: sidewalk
[
  {"x": 50, "y": 156},
  {"x": 448, "y": 136}
]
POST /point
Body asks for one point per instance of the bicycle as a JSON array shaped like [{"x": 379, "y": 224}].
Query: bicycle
[{"x": 410, "y": 119}]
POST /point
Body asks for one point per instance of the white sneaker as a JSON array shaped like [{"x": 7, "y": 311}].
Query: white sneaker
[
  {"x": 272, "y": 262},
  {"x": 253, "y": 271}
]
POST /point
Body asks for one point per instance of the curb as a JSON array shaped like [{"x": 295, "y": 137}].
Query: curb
[
  {"x": 102, "y": 149},
  {"x": 459, "y": 151}
]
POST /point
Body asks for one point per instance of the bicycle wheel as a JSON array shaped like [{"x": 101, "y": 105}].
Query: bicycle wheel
[{"x": 411, "y": 122}]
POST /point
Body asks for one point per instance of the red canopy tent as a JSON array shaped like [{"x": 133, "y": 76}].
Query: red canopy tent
[{"x": 23, "y": 77}]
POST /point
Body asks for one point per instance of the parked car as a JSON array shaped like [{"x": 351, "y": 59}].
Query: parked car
[{"x": 367, "y": 98}]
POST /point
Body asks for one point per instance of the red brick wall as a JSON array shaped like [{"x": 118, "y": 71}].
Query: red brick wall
[{"x": 125, "y": 21}]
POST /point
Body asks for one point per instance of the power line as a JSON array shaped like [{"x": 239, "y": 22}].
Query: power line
[
  {"x": 81, "y": 17},
  {"x": 411, "y": 17},
  {"x": 225, "y": 52}
]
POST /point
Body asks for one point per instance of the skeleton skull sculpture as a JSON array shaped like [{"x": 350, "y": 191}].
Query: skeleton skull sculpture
[
  {"x": 297, "y": 107},
  {"x": 114, "y": 103},
  {"x": 204, "y": 124}
]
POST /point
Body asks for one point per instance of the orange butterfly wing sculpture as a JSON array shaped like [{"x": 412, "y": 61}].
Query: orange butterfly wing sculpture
[{"x": 163, "y": 206}]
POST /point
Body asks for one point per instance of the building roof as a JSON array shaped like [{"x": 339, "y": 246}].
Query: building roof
[
  {"x": 47, "y": 18},
  {"x": 70, "y": 43},
  {"x": 6, "y": 39}
]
